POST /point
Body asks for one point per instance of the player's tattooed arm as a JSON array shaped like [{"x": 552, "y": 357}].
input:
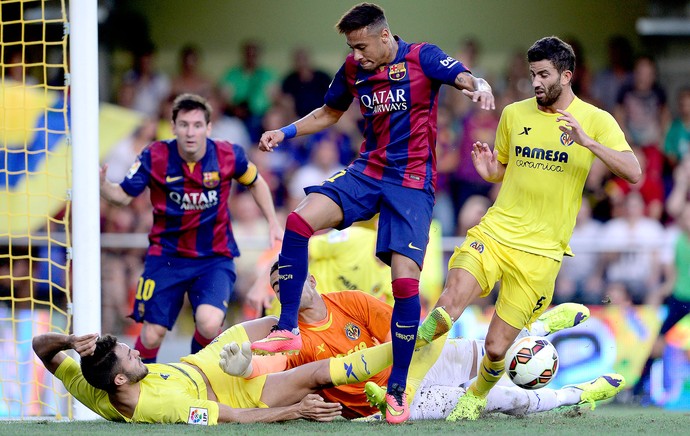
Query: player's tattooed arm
[{"x": 477, "y": 89}]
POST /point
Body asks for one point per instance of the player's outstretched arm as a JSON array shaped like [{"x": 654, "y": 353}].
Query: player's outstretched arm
[
  {"x": 48, "y": 347},
  {"x": 316, "y": 121},
  {"x": 112, "y": 192},
  {"x": 477, "y": 89},
  {"x": 311, "y": 407}
]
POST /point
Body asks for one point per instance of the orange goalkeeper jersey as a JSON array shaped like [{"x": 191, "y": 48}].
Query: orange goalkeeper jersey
[{"x": 355, "y": 321}]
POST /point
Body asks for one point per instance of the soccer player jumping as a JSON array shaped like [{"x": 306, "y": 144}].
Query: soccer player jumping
[{"x": 397, "y": 85}]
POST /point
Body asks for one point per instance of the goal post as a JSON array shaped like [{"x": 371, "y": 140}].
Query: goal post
[
  {"x": 86, "y": 256},
  {"x": 49, "y": 116}
]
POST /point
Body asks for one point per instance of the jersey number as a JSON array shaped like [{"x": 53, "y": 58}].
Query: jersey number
[
  {"x": 336, "y": 175},
  {"x": 145, "y": 289},
  {"x": 540, "y": 303}
]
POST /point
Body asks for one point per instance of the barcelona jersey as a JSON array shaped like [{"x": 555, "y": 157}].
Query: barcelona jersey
[
  {"x": 399, "y": 104},
  {"x": 190, "y": 200}
]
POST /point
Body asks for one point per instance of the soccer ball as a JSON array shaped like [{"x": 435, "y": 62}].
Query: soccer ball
[{"x": 532, "y": 362}]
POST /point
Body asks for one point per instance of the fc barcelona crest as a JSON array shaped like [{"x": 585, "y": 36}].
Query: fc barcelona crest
[
  {"x": 397, "y": 71},
  {"x": 352, "y": 331},
  {"x": 211, "y": 179}
]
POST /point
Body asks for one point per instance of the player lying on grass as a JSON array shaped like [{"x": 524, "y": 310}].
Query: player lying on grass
[
  {"x": 114, "y": 383},
  {"x": 338, "y": 323}
]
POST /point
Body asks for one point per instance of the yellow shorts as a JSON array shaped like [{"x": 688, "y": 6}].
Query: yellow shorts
[
  {"x": 232, "y": 391},
  {"x": 527, "y": 280}
]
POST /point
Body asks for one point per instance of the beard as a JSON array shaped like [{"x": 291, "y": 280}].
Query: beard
[
  {"x": 135, "y": 377},
  {"x": 551, "y": 95}
]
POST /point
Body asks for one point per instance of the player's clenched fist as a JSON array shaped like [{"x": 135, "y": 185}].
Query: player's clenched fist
[{"x": 270, "y": 140}]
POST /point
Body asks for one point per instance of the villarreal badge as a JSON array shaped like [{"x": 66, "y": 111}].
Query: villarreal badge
[
  {"x": 211, "y": 179},
  {"x": 397, "y": 71},
  {"x": 352, "y": 331}
]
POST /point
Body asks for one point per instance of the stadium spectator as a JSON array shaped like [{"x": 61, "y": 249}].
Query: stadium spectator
[
  {"x": 642, "y": 112},
  {"x": 632, "y": 244},
  {"x": 515, "y": 86},
  {"x": 124, "y": 153},
  {"x": 113, "y": 381},
  {"x": 651, "y": 188},
  {"x": 675, "y": 291},
  {"x": 394, "y": 174},
  {"x": 143, "y": 88},
  {"x": 523, "y": 237},
  {"x": 479, "y": 126},
  {"x": 680, "y": 194},
  {"x": 305, "y": 85},
  {"x": 322, "y": 164},
  {"x": 191, "y": 241},
  {"x": 190, "y": 78},
  {"x": 224, "y": 126},
  {"x": 577, "y": 280},
  {"x": 446, "y": 164},
  {"x": 609, "y": 80},
  {"x": 249, "y": 88},
  {"x": 677, "y": 141}
]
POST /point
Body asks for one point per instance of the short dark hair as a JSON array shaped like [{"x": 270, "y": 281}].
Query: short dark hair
[
  {"x": 361, "y": 16},
  {"x": 100, "y": 368},
  {"x": 190, "y": 102},
  {"x": 553, "y": 49}
]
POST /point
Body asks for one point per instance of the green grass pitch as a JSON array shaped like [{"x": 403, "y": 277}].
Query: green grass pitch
[{"x": 605, "y": 420}]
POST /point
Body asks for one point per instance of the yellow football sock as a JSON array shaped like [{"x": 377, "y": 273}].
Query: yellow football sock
[
  {"x": 489, "y": 373},
  {"x": 422, "y": 360},
  {"x": 361, "y": 365}
]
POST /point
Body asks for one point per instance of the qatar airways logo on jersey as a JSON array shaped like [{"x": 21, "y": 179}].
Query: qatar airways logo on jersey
[
  {"x": 195, "y": 200},
  {"x": 385, "y": 101}
]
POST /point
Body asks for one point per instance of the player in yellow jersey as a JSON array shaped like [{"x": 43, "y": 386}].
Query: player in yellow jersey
[
  {"x": 544, "y": 149},
  {"x": 113, "y": 382}
]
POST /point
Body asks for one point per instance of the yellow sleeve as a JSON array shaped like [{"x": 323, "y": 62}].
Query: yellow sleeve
[
  {"x": 249, "y": 176},
  {"x": 502, "y": 143},
  {"x": 69, "y": 373},
  {"x": 607, "y": 132}
]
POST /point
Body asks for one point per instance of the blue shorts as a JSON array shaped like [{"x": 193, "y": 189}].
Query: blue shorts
[
  {"x": 405, "y": 213},
  {"x": 166, "y": 279}
]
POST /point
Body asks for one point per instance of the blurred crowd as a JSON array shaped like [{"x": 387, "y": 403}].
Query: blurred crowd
[{"x": 624, "y": 235}]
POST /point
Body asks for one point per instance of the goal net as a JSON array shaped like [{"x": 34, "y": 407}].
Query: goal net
[{"x": 35, "y": 160}]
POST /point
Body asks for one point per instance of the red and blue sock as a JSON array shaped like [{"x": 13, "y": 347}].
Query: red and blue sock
[
  {"x": 293, "y": 268},
  {"x": 147, "y": 355},
  {"x": 404, "y": 324},
  {"x": 199, "y": 341}
]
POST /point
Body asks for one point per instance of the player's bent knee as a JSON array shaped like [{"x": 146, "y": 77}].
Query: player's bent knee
[
  {"x": 152, "y": 335},
  {"x": 208, "y": 329},
  {"x": 495, "y": 350}
]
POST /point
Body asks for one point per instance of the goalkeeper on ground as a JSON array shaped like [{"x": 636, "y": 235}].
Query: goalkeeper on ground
[{"x": 339, "y": 323}]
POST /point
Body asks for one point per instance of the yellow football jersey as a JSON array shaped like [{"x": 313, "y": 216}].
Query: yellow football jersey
[
  {"x": 169, "y": 394},
  {"x": 545, "y": 174},
  {"x": 345, "y": 259}
]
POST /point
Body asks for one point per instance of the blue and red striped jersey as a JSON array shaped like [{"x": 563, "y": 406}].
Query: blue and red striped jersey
[
  {"x": 190, "y": 200},
  {"x": 399, "y": 104}
]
